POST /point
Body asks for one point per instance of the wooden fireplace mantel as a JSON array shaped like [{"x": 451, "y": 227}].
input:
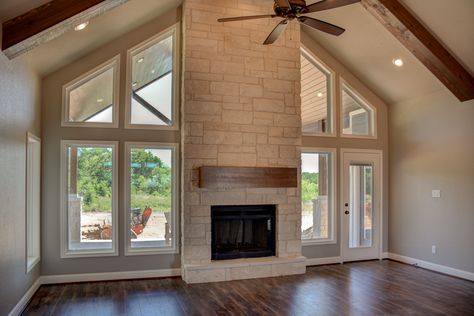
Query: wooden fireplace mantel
[{"x": 247, "y": 177}]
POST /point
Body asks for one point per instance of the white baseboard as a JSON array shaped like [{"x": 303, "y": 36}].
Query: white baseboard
[
  {"x": 20, "y": 306},
  {"x": 433, "y": 266},
  {"x": 109, "y": 276},
  {"x": 384, "y": 255},
  {"x": 321, "y": 261}
]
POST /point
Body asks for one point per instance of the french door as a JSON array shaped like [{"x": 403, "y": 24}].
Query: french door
[{"x": 361, "y": 204}]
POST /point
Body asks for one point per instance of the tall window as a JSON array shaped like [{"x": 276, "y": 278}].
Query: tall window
[
  {"x": 357, "y": 115},
  {"x": 89, "y": 191},
  {"x": 317, "y": 194},
  {"x": 151, "y": 198},
  {"x": 33, "y": 190},
  {"x": 316, "y": 96},
  {"x": 91, "y": 100},
  {"x": 152, "y": 84}
]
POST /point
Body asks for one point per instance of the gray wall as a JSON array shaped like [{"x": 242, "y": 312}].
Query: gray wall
[
  {"x": 19, "y": 113},
  {"x": 432, "y": 147},
  {"x": 381, "y": 143},
  {"x": 53, "y": 133}
]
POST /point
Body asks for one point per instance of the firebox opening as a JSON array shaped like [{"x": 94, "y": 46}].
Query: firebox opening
[{"x": 243, "y": 231}]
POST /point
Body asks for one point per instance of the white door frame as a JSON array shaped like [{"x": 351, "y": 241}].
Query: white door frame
[{"x": 380, "y": 204}]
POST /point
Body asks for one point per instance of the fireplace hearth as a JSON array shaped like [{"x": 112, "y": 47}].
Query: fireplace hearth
[{"x": 243, "y": 231}]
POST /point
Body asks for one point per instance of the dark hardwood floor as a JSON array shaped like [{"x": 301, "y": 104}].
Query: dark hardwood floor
[{"x": 359, "y": 288}]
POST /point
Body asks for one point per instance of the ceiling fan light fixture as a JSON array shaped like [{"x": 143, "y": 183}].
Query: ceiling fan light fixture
[
  {"x": 397, "y": 62},
  {"x": 290, "y": 10},
  {"x": 81, "y": 26}
]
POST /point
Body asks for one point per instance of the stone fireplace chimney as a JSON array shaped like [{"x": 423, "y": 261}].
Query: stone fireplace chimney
[{"x": 241, "y": 107}]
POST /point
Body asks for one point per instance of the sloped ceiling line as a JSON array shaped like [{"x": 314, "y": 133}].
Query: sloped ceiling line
[
  {"x": 402, "y": 24},
  {"x": 49, "y": 21}
]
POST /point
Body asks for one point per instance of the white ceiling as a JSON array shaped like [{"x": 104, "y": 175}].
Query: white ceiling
[
  {"x": 61, "y": 51},
  {"x": 367, "y": 48}
]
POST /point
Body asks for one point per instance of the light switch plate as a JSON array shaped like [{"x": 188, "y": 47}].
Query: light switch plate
[{"x": 436, "y": 193}]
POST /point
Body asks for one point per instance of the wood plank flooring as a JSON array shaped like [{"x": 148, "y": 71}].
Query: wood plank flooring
[{"x": 359, "y": 288}]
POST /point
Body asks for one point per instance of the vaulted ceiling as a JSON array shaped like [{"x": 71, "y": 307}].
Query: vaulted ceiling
[
  {"x": 366, "y": 48},
  {"x": 59, "y": 52}
]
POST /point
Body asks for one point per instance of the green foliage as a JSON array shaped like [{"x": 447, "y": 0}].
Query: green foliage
[
  {"x": 309, "y": 186},
  {"x": 150, "y": 180},
  {"x": 94, "y": 178}
]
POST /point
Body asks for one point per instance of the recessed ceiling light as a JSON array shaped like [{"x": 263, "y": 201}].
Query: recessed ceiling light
[
  {"x": 397, "y": 62},
  {"x": 140, "y": 60},
  {"x": 100, "y": 100},
  {"x": 81, "y": 26},
  {"x": 134, "y": 84},
  {"x": 320, "y": 94}
]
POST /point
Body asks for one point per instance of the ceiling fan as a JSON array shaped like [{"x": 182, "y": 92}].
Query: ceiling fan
[{"x": 293, "y": 9}]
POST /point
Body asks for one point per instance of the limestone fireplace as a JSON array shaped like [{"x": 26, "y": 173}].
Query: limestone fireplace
[{"x": 241, "y": 107}]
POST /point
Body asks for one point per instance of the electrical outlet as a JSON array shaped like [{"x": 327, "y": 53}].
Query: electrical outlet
[
  {"x": 433, "y": 249},
  {"x": 436, "y": 193}
]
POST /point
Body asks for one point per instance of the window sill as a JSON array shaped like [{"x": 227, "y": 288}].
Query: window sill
[{"x": 316, "y": 242}]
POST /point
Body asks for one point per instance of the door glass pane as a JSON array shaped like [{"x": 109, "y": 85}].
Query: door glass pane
[
  {"x": 361, "y": 194},
  {"x": 151, "y": 197},
  {"x": 316, "y": 196},
  {"x": 90, "y": 178}
]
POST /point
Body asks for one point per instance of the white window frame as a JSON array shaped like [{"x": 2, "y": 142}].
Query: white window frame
[
  {"x": 65, "y": 252},
  {"x": 370, "y": 108},
  {"x": 332, "y": 236},
  {"x": 173, "y": 31},
  {"x": 33, "y": 201},
  {"x": 332, "y": 95},
  {"x": 129, "y": 251},
  {"x": 114, "y": 64}
]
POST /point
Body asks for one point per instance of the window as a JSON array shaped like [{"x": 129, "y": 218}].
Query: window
[
  {"x": 151, "y": 188},
  {"x": 33, "y": 190},
  {"x": 316, "y": 96},
  {"x": 92, "y": 99},
  {"x": 152, "y": 83},
  {"x": 89, "y": 192},
  {"x": 317, "y": 195},
  {"x": 357, "y": 115}
]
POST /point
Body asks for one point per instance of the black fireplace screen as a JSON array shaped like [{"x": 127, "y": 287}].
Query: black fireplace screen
[{"x": 243, "y": 231}]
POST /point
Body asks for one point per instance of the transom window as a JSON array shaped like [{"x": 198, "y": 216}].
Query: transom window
[
  {"x": 357, "y": 115},
  {"x": 152, "y": 83},
  {"x": 91, "y": 100},
  {"x": 316, "y": 96}
]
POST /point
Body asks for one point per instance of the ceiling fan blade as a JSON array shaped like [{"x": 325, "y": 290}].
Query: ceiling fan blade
[
  {"x": 250, "y": 17},
  {"x": 283, "y": 3},
  {"x": 321, "y": 25},
  {"x": 329, "y": 4},
  {"x": 273, "y": 36}
]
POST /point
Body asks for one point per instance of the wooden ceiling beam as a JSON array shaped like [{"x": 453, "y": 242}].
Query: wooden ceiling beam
[
  {"x": 423, "y": 45},
  {"x": 49, "y": 21}
]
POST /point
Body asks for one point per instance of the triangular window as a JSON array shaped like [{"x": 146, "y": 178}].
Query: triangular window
[
  {"x": 316, "y": 96},
  {"x": 357, "y": 115},
  {"x": 91, "y": 99},
  {"x": 152, "y": 83}
]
